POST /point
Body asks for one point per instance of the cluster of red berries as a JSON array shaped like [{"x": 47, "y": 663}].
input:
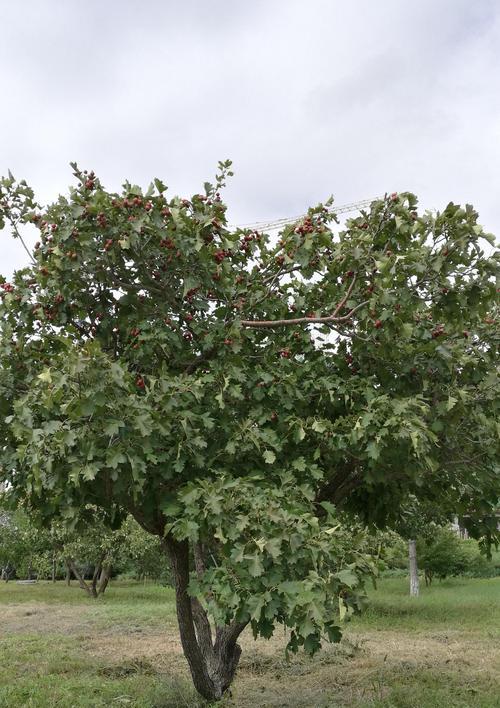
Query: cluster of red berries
[
  {"x": 108, "y": 244},
  {"x": 220, "y": 255},
  {"x": 135, "y": 332},
  {"x": 245, "y": 242},
  {"x": 437, "y": 331},
  {"x": 190, "y": 294},
  {"x": 306, "y": 227},
  {"x": 7, "y": 287},
  {"x": 167, "y": 243},
  {"x": 139, "y": 382},
  {"x": 90, "y": 181},
  {"x": 285, "y": 353},
  {"x": 101, "y": 220}
]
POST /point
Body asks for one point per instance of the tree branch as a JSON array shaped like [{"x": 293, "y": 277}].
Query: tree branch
[{"x": 334, "y": 317}]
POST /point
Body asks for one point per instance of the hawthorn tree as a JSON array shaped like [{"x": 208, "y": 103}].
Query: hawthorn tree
[{"x": 231, "y": 391}]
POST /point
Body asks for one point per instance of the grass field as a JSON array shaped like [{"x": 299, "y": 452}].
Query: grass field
[{"x": 60, "y": 649}]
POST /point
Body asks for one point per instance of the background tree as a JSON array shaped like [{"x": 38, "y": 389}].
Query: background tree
[
  {"x": 142, "y": 554},
  {"x": 25, "y": 549},
  {"x": 418, "y": 519},
  {"x": 90, "y": 547},
  {"x": 229, "y": 390}
]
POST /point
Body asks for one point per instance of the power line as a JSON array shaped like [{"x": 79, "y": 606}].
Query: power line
[{"x": 285, "y": 221}]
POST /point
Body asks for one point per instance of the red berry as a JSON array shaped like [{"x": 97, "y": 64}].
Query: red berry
[
  {"x": 378, "y": 324},
  {"x": 140, "y": 382}
]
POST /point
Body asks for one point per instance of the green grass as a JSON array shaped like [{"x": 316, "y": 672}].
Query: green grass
[
  {"x": 60, "y": 649},
  {"x": 456, "y": 603}
]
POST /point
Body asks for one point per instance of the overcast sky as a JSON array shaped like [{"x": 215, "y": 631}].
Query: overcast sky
[{"x": 307, "y": 97}]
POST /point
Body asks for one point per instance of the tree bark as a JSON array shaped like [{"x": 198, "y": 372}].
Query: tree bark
[
  {"x": 414, "y": 581},
  {"x": 68, "y": 574},
  {"x": 104, "y": 579},
  {"x": 212, "y": 665}
]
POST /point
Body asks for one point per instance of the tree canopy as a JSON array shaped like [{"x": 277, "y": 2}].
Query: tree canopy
[{"x": 233, "y": 391}]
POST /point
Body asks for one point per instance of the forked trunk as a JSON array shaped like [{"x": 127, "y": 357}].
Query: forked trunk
[
  {"x": 212, "y": 663},
  {"x": 414, "y": 582},
  {"x": 99, "y": 580}
]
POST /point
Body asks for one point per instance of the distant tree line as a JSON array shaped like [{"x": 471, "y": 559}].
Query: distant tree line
[{"x": 91, "y": 553}]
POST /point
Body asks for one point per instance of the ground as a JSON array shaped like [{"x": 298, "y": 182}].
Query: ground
[{"x": 60, "y": 649}]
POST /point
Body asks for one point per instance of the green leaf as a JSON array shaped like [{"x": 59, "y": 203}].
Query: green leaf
[
  {"x": 144, "y": 424},
  {"x": 45, "y": 376},
  {"x": 115, "y": 457},
  {"x": 373, "y": 450},
  {"x": 299, "y": 433},
  {"x": 269, "y": 457},
  {"x": 255, "y": 567},
  {"x": 319, "y": 426},
  {"x": 347, "y": 577}
]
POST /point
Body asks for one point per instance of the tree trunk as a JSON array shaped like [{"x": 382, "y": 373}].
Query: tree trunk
[
  {"x": 68, "y": 574},
  {"x": 54, "y": 568},
  {"x": 212, "y": 664},
  {"x": 89, "y": 589},
  {"x": 95, "y": 578},
  {"x": 414, "y": 582},
  {"x": 104, "y": 579}
]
